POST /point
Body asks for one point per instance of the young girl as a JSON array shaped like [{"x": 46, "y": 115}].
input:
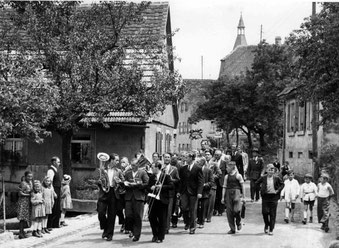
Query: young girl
[
  {"x": 66, "y": 199},
  {"x": 48, "y": 196},
  {"x": 290, "y": 192},
  {"x": 24, "y": 203},
  {"x": 325, "y": 191},
  {"x": 308, "y": 193},
  {"x": 38, "y": 209}
]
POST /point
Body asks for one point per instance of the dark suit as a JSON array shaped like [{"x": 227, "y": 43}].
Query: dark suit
[
  {"x": 135, "y": 198},
  {"x": 174, "y": 175},
  {"x": 108, "y": 203},
  {"x": 270, "y": 200},
  {"x": 255, "y": 168},
  {"x": 191, "y": 184},
  {"x": 237, "y": 158},
  {"x": 203, "y": 202},
  {"x": 218, "y": 206},
  {"x": 158, "y": 208}
]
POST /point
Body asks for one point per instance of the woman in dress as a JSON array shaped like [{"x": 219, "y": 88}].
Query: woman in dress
[{"x": 24, "y": 203}]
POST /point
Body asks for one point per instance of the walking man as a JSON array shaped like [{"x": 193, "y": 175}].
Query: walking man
[{"x": 191, "y": 187}]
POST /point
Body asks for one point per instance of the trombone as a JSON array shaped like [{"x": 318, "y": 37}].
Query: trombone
[{"x": 154, "y": 196}]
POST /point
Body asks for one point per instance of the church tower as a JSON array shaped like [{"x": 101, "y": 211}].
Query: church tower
[{"x": 241, "y": 39}]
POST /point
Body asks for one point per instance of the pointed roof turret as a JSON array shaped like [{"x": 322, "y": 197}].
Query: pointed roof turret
[
  {"x": 241, "y": 39},
  {"x": 241, "y": 22}
]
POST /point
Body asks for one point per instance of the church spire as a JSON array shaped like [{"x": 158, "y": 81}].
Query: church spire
[{"x": 241, "y": 39}]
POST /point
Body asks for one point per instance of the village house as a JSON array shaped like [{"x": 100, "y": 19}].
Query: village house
[{"x": 122, "y": 132}]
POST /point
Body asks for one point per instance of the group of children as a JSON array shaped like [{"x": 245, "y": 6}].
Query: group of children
[
  {"x": 308, "y": 192},
  {"x": 36, "y": 202}
]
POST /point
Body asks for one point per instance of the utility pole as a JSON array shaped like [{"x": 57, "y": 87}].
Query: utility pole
[
  {"x": 315, "y": 121},
  {"x": 260, "y": 33},
  {"x": 202, "y": 67}
]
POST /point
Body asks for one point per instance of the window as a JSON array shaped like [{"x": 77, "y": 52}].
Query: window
[
  {"x": 186, "y": 106},
  {"x": 13, "y": 150},
  {"x": 168, "y": 139},
  {"x": 310, "y": 154},
  {"x": 290, "y": 155},
  {"x": 187, "y": 147},
  {"x": 81, "y": 149},
  {"x": 300, "y": 154},
  {"x": 183, "y": 128},
  {"x": 179, "y": 127},
  {"x": 302, "y": 117},
  {"x": 182, "y": 107},
  {"x": 158, "y": 142},
  {"x": 309, "y": 115}
]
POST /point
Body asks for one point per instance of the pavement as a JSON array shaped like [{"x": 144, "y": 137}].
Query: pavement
[{"x": 253, "y": 226}]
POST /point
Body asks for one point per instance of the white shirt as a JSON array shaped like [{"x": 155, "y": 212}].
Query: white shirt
[
  {"x": 167, "y": 168},
  {"x": 51, "y": 173},
  {"x": 308, "y": 191},
  {"x": 291, "y": 190},
  {"x": 134, "y": 173},
  {"x": 110, "y": 173},
  {"x": 325, "y": 190},
  {"x": 270, "y": 185}
]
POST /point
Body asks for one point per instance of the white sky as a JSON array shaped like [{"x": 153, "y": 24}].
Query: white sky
[{"x": 209, "y": 28}]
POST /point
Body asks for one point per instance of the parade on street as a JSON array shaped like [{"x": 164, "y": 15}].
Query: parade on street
[{"x": 169, "y": 123}]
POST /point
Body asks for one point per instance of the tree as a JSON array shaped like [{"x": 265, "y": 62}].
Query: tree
[
  {"x": 96, "y": 64},
  {"x": 315, "y": 45},
  {"x": 27, "y": 98},
  {"x": 249, "y": 101}
]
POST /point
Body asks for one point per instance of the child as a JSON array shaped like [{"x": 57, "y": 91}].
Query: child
[
  {"x": 48, "y": 196},
  {"x": 38, "y": 209},
  {"x": 24, "y": 203},
  {"x": 232, "y": 195},
  {"x": 290, "y": 192},
  {"x": 308, "y": 193},
  {"x": 66, "y": 199},
  {"x": 325, "y": 191}
]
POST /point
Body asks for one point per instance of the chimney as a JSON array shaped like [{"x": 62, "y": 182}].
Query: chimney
[{"x": 278, "y": 40}]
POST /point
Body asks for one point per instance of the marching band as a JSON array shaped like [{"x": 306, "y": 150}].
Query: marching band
[{"x": 160, "y": 191}]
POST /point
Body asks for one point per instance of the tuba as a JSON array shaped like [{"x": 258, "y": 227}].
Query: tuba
[{"x": 103, "y": 177}]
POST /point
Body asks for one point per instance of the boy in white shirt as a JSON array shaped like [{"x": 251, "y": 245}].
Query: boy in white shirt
[
  {"x": 291, "y": 193},
  {"x": 325, "y": 191},
  {"x": 308, "y": 193}
]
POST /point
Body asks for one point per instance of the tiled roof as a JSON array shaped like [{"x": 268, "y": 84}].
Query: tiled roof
[
  {"x": 238, "y": 61},
  {"x": 154, "y": 23},
  {"x": 116, "y": 117}
]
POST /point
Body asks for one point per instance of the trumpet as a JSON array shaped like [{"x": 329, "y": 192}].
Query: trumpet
[{"x": 103, "y": 177}]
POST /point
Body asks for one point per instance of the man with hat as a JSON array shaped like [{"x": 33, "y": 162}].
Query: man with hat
[{"x": 254, "y": 171}]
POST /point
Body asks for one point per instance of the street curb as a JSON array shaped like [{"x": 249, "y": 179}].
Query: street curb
[
  {"x": 75, "y": 225},
  {"x": 45, "y": 242}
]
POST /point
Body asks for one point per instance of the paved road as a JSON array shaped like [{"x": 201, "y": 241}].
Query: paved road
[
  {"x": 213, "y": 235},
  {"x": 83, "y": 231}
]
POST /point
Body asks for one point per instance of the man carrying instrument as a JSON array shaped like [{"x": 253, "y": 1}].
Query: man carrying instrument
[
  {"x": 136, "y": 181},
  {"x": 172, "y": 171},
  {"x": 161, "y": 184},
  {"x": 110, "y": 177}
]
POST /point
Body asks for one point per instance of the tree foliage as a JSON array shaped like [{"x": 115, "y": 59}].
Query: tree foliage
[
  {"x": 315, "y": 45},
  {"x": 94, "y": 62},
  {"x": 249, "y": 101},
  {"x": 27, "y": 97}
]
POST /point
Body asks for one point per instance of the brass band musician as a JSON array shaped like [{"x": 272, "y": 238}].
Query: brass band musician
[{"x": 160, "y": 184}]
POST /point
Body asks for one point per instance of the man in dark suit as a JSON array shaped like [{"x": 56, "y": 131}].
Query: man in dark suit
[
  {"x": 191, "y": 187},
  {"x": 221, "y": 164},
  {"x": 136, "y": 181},
  {"x": 203, "y": 201},
  {"x": 172, "y": 171},
  {"x": 108, "y": 200},
  {"x": 161, "y": 184},
  {"x": 254, "y": 171},
  {"x": 53, "y": 174}
]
